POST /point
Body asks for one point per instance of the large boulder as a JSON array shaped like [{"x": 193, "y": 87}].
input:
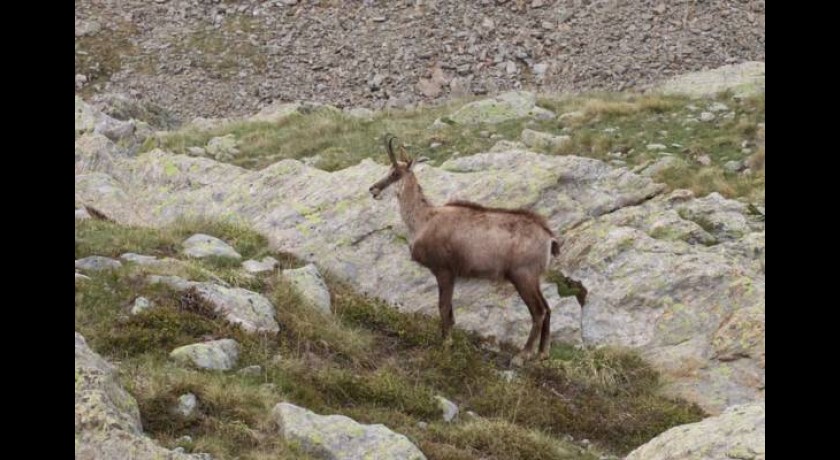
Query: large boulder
[
  {"x": 744, "y": 79},
  {"x": 667, "y": 274},
  {"x": 738, "y": 433},
  {"x": 107, "y": 418},
  {"x": 504, "y": 107},
  {"x": 336, "y": 437}
]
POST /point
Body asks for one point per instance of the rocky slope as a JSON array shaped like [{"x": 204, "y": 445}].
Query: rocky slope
[
  {"x": 677, "y": 276},
  {"x": 737, "y": 433},
  {"x": 213, "y": 58}
]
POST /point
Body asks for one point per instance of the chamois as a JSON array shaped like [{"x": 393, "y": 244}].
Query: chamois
[{"x": 466, "y": 240}]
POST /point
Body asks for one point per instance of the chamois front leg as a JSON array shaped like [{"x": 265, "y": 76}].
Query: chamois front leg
[{"x": 446, "y": 287}]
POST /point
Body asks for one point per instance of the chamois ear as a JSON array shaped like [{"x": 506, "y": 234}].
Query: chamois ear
[{"x": 404, "y": 156}]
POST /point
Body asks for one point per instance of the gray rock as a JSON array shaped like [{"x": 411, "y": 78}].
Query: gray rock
[
  {"x": 175, "y": 282},
  {"x": 196, "y": 151},
  {"x": 743, "y": 79},
  {"x": 107, "y": 418},
  {"x": 734, "y": 166},
  {"x": 506, "y": 146},
  {"x": 447, "y": 408},
  {"x": 310, "y": 285},
  {"x": 250, "y": 371},
  {"x": 506, "y": 106},
  {"x": 361, "y": 113},
  {"x": 662, "y": 164},
  {"x": 707, "y": 116},
  {"x": 139, "y": 259},
  {"x": 224, "y": 148},
  {"x": 216, "y": 355},
  {"x": 738, "y": 433},
  {"x": 82, "y": 214},
  {"x": 267, "y": 264},
  {"x": 336, "y": 437},
  {"x": 540, "y": 140},
  {"x": 718, "y": 107},
  {"x": 187, "y": 403},
  {"x": 200, "y": 246},
  {"x": 80, "y": 278},
  {"x": 94, "y": 152},
  {"x": 704, "y": 160},
  {"x": 250, "y": 310},
  {"x": 140, "y": 305},
  {"x": 97, "y": 264},
  {"x": 656, "y": 147}
]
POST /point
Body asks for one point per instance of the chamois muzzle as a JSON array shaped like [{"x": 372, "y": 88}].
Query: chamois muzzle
[{"x": 375, "y": 192}]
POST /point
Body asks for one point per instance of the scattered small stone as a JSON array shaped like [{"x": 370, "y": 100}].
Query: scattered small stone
[
  {"x": 185, "y": 439},
  {"x": 138, "y": 259},
  {"x": 186, "y": 405},
  {"x": 141, "y": 304},
  {"x": 218, "y": 355},
  {"x": 80, "y": 81},
  {"x": 734, "y": 166},
  {"x": 718, "y": 107},
  {"x": 379, "y": 19},
  {"x": 80, "y": 277},
  {"x": 200, "y": 246},
  {"x": 507, "y": 375},
  {"x": 196, "y": 151},
  {"x": 656, "y": 147},
  {"x": 422, "y": 425},
  {"x": 539, "y": 139},
  {"x": 267, "y": 264},
  {"x": 82, "y": 214},
  {"x": 447, "y": 407},
  {"x": 505, "y": 145},
  {"x": 250, "y": 370},
  {"x": 704, "y": 160},
  {"x": 310, "y": 285},
  {"x": 223, "y": 148},
  {"x": 435, "y": 145},
  {"x": 484, "y": 134},
  {"x": 707, "y": 116},
  {"x": 97, "y": 264}
]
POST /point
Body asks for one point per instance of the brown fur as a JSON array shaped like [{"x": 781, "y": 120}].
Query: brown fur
[
  {"x": 462, "y": 239},
  {"x": 522, "y": 212}
]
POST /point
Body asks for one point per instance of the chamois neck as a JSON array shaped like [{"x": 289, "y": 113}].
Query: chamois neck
[{"x": 414, "y": 207}]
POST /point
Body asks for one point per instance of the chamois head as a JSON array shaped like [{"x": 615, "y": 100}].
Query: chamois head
[{"x": 399, "y": 169}]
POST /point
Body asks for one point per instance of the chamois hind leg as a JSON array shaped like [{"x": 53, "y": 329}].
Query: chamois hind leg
[
  {"x": 446, "y": 287},
  {"x": 545, "y": 335},
  {"x": 529, "y": 290}
]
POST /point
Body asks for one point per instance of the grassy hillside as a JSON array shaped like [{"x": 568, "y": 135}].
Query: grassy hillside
[
  {"x": 365, "y": 360},
  {"x": 611, "y": 127}
]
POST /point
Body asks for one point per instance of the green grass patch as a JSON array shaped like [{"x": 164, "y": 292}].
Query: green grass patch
[{"x": 601, "y": 125}]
